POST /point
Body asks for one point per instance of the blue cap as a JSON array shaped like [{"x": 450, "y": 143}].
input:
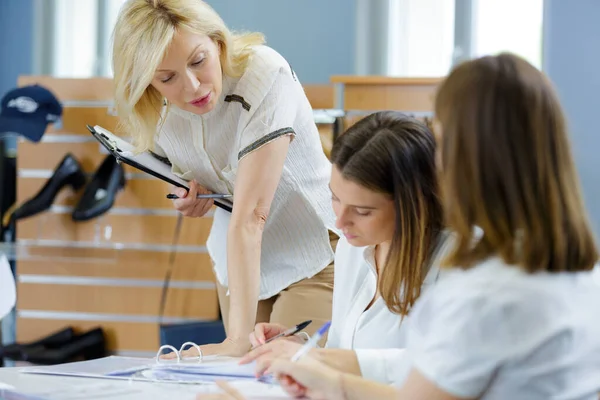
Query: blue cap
[{"x": 28, "y": 110}]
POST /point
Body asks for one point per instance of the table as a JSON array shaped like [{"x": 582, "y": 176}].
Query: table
[{"x": 117, "y": 389}]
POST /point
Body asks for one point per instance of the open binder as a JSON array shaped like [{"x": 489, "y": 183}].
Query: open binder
[
  {"x": 189, "y": 370},
  {"x": 147, "y": 161}
]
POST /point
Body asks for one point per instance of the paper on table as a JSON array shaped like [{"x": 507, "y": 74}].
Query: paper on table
[
  {"x": 7, "y": 287},
  {"x": 114, "y": 367},
  {"x": 123, "y": 390},
  {"x": 146, "y": 369},
  {"x": 250, "y": 390},
  {"x": 76, "y": 392},
  {"x": 220, "y": 368},
  {"x": 5, "y": 386}
]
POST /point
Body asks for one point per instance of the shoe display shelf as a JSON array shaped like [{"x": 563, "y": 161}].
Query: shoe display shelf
[{"x": 97, "y": 251}]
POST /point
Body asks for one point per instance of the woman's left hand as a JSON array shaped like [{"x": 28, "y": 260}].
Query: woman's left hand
[
  {"x": 230, "y": 393},
  {"x": 229, "y": 347},
  {"x": 267, "y": 353}
]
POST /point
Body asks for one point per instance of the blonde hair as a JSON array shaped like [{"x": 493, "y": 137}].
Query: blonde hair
[{"x": 142, "y": 34}]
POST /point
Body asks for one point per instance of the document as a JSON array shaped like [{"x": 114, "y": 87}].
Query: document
[
  {"x": 208, "y": 370},
  {"x": 113, "y": 367},
  {"x": 146, "y": 161},
  {"x": 118, "y": 390}
]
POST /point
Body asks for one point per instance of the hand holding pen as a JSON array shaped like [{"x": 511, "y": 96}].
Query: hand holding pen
[
  {"x": 312, "y": 342},
  {"x": 188, "y": 203},
  {"x": 267, "y": 332},
  {"x": 265, "y": 354},
  {"x": 303, "y": 376}
]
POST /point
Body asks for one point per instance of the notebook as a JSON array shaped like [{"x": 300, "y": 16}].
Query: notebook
[
  {"x": 180, "y": 369},
  {"x": 147, "y": 161},
  {"x": 208, "y": 370}
]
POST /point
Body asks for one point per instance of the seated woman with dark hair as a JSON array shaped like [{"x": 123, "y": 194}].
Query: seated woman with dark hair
[{"x": 385, "y": 199}]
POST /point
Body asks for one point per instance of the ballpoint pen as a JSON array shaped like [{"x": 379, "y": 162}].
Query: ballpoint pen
[
  {"x": 312, "y": 342},
  {"x": 290, "y": 331},
  {"x": 172, "y": 196}
]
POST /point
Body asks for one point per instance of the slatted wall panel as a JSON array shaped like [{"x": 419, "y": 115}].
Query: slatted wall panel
[{"x": 108, "y": 271}]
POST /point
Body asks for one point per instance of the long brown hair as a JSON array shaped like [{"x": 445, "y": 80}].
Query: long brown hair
[
  {"x": 390, "y": 153},
  {"x": 507, "y": 169}
]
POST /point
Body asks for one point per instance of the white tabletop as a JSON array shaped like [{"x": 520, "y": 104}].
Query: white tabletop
[
  {"x": 105, "y": 388},
  {"x": 71, "y": 388}
]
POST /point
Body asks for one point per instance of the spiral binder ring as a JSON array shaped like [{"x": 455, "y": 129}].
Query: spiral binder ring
[
  {"x": 199, "y": 357},
  {"x": 178, "y": 353},
  {"x": 167, "y": 346}
]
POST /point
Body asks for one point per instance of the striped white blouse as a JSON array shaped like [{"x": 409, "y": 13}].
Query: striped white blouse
[{"x": 267, "y": 102}]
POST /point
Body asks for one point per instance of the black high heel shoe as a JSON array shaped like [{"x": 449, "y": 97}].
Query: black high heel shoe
[
  {"x": 99, "y": 195},
  {"x": 67, "y": 173},
  {"x": 14, "y": 351},
  {"x": 88, "y": 346}
]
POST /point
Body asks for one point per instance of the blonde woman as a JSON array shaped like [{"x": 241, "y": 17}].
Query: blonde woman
[
  {"x": 516, "y": 317},
  {"x": 237, "y": 122}
]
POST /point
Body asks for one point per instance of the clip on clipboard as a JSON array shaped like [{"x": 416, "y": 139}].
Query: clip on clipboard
[{"x": 147, "y": 162}]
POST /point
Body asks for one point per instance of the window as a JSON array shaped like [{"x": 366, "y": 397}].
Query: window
[
  {"x": 82, "y": 37},
  {"x": 508, "y": 25},
  {"x": 75, "y": 29},
  {"x": 421, "y": 37},
  {"x": 112, "y": 11}
]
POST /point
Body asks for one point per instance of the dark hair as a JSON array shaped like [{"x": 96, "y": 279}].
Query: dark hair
[
  {"x": 391, "y": 153},
  {"x": 508, "y": 169}
]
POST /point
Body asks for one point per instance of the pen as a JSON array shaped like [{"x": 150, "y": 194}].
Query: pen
[
  {"x": 291, "y": 331},
  {"x": 172, "y": 196},
  {"x": 311, "y": 342}
]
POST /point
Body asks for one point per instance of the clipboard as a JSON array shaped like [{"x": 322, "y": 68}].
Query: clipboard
[{"x": 147, "y": 161}]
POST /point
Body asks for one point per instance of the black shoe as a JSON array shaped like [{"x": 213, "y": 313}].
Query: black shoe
[
  {"x": 99, "y": 195},
  {"x": 14, "y": 351},
  {"x": 88, "y": 346},
  {"x": 68, "y": 172}
]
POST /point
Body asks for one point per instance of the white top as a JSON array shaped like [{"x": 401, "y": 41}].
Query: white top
[
  {"x": 377, "y": 335},
  {"x": 497, "y": 331},
  {"x": 267, "y": 102},
  {"x": 8, "y": 292}
]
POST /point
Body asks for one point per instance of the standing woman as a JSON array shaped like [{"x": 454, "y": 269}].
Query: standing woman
[{"x": 236, "y": 121}]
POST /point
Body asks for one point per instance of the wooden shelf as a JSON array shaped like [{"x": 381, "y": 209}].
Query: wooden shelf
[{"x": 383, "y": 80}]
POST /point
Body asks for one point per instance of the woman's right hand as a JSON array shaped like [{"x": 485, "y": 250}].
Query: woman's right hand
[
  {"x": 187, "y": 203},
  {"x": 263, "y": 332},
  {"x": 308, "y": 378}
]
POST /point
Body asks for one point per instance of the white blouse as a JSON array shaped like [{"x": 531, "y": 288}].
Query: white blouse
[
  {"x": 500, "y": 333},
  {"x": 266, "y": 103},
  {"x": 377, "y": 335}
]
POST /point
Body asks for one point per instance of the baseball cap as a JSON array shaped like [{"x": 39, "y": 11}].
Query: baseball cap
[{"x": 28, "y": 110}]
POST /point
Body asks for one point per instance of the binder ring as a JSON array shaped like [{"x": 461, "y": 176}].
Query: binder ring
[
  {"x": 182, "y": 348},
  {"x": 167, "y": 346}
]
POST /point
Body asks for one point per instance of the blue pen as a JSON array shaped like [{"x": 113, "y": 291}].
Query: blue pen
[{"x": 312, "y": 342}]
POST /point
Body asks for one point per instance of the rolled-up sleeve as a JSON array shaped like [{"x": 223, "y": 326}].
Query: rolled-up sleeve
[{"x": 273, "y": 117}]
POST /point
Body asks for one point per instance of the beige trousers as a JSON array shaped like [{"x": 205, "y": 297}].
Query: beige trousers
[{"x": 307, "y": 299}]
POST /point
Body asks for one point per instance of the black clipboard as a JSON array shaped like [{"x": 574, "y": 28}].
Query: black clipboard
[{"x": 147, "y": 162}]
